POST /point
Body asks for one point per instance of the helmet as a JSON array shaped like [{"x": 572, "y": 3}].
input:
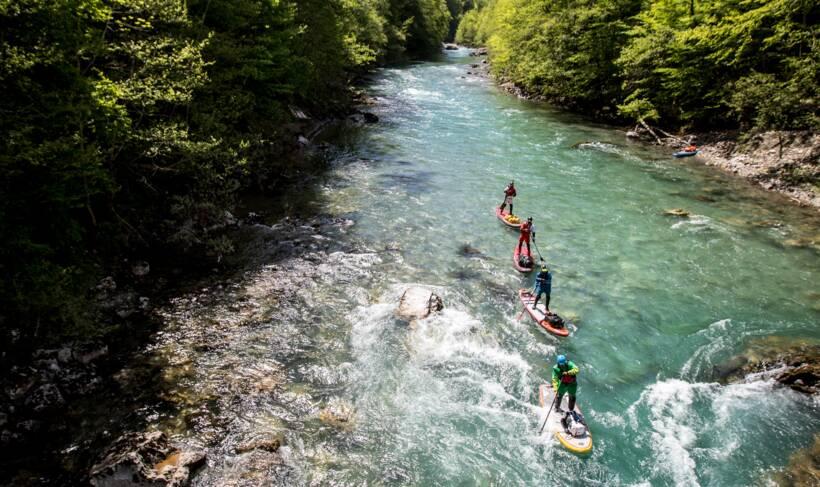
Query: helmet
[
  {"x": 562, "y": 360},
  {"x": 529, "y": 218},
  {"x": 544, "y": 268}
]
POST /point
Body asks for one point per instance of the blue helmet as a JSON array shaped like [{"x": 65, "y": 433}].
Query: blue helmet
[{"x": 562, "y": 360}]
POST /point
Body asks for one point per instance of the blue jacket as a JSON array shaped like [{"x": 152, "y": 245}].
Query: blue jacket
[{"x": 543, "y": 282}]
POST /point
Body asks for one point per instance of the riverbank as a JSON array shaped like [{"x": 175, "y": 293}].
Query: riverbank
[{"x": 783, "y": 162}]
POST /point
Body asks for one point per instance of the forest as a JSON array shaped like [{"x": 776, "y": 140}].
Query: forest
[
  {"x": 129, "y": 126},
  {"x": 692, "y": 64}
]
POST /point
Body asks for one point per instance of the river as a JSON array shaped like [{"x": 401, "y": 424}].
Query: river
[{"x": 658, "y": 302}]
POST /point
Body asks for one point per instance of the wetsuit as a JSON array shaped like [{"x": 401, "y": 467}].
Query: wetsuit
[
  {"x": 543, "y": 285},
  {"x": 564, "y": 380}
]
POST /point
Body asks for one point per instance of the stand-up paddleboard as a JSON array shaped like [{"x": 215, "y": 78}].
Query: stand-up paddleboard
[
  {"x": 540, "y": 315},
  {"x": 576, "y": 444},
  {"x": 516, "y": 256},
  {"x": 502, "y": 215}
]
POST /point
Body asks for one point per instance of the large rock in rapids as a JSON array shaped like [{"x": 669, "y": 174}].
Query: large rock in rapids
[
  {"x": 793, "y": 363},
  {"x": 145, "y": 459},
  {"x": 417, "y": 303}
]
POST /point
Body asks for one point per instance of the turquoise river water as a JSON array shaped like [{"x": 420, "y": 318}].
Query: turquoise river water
[{"x": 658, "y": 303}]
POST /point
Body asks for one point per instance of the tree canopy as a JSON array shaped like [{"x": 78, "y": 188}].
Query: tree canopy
[
  {"x": 681, "y": 63},
  {"x": 132, "y": 124}
]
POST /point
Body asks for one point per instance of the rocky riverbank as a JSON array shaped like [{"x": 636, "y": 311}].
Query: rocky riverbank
[{"x": 783, "y": 162}]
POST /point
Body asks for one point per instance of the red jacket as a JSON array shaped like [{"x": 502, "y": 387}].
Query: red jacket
[{"x": 510, "y": 191}]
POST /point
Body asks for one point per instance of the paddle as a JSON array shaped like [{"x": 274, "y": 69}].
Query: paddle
[
  {"x": 537, "y": 250},
  {"x": 548, "y": 414}
]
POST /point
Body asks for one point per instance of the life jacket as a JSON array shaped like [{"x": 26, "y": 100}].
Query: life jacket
[
  {"x": 566, "y": 378},
  {"x": 510, "y": 191},
  {"x": 526, "y": 229}
]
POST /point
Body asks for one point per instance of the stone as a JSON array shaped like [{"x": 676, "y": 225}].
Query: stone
[
  {"x": 370, "y": 117},
  {"x": 678, "y": 212},
  {"x": 140, "y": 268},
  {"x": 450, "y": 47},
  {"x": 45, "y": 397},
  {"x": 107, "y": 285},
  {"x": 338, "y": 413},
  {"x": 270, "y": 445},
  {"x": 145, "y": 459},
  {"x": 64, "y": 354},
  {"x": 418, "y": 303},
  {"x": 89, "y": 356},
  {"x": 803, "y": 468},
  {"x": 633, "y": 135},
  {"x": 792, "y": 363}
]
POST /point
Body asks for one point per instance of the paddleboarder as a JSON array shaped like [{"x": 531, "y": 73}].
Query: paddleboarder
[
  {"x": 509, "y": 194},
  {"x": 527, "y": 229},
  {"x": 564, "y": 381},
  {"x": 543, "y": 285}
]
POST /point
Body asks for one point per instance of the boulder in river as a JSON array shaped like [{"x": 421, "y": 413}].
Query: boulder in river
[
  {"x": 450, "y": 47},
  {"x": 417, "y": 303},
  {"x": 790, "y": 362}
]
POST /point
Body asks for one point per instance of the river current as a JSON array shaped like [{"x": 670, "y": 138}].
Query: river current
[{"x": 358, "y": 397}]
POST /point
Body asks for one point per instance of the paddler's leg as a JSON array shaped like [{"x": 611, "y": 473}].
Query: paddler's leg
[
  {"x": 562, "y": 388},
  {"x": 511, "y": 210},
  {"x": 571, "y": 390},
  {"x": 547, "y": 297}
]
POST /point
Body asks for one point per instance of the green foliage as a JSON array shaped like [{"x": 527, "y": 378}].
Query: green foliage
[
  {"x": 131, "y": 125},
  {"x": 681, "y": 63}
]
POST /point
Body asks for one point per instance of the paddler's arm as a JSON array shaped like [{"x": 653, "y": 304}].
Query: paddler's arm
[
  {"x": 573, "y": 369},
  {"x": 555, "y": 378}
]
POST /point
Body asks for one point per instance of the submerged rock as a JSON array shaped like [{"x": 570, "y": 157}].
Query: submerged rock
[
  {"x": 678, "y": 212},
  {"x": 803, "y": 468},
  {"x": 338, "y": 413},
  {"x": 417, "y": 303},
  {"x": 795, "y": 364},
  {"x": 468, "y": 250}
]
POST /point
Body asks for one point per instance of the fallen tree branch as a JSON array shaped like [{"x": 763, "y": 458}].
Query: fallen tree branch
[{"x": 649, "y": 129}]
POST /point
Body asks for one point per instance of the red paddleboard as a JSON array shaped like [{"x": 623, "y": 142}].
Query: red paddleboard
[
  {"x": 516, "y": 255},
  {"x": 539, "y": 314},
  {"x": 502, "y": 215}
]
